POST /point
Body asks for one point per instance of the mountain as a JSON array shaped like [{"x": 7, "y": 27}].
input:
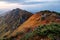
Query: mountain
[
  {"x": 12, "y": 20},
  {"x": 39, "y": 18}
]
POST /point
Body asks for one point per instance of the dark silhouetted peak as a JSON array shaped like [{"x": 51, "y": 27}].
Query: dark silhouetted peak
[
  {"x": 46, "y": 11},
  {"x": 17, "y": 9}
]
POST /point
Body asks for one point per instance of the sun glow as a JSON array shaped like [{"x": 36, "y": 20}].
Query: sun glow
[{"x": 4, "y": 5}]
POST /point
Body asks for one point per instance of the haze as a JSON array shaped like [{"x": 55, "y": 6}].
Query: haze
[{"x": 30, "y": 5}]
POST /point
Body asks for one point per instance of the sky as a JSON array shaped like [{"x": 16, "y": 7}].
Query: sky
[{"x": 30, "y": 5}]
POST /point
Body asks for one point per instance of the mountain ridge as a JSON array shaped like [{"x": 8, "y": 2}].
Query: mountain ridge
[
  {"x": 12, "y": 19},
  {"x": 17, "y": 22},
  {"x": 39, "y": 18}
]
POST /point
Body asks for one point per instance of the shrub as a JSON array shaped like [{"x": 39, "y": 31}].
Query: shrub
[{"x": 49, "y": 31}]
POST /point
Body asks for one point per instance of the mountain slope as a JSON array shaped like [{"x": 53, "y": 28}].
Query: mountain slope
[
  {"x": 13, "y": 19},
  {"x": 44, "y": 32},
  {"x": 40, "y": 18}
]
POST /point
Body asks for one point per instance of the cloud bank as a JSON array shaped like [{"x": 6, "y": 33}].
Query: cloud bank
[{"x": 30, "y": 5}]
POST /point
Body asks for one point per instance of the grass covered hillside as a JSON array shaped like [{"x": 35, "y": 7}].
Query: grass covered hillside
[{"x": 44, "y": 32}]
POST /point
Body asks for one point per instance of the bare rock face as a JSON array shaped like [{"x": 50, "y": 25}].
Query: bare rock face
[{"x": 12, "y": 19}]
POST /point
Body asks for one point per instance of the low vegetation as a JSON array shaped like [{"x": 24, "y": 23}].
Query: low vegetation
[{"x": 52, "y": 31}]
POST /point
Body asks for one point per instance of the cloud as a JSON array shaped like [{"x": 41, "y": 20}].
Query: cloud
[
  {"x": 5, "y": 5},
  {"x": 13, "y": 0},
  {"x": 29, "y": 2},
  {"x": 30, "y": 5},
  {"x": 41, "y": 0}
]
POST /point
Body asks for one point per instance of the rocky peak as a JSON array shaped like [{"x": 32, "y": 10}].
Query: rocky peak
[{"x": 13, "y": 19}]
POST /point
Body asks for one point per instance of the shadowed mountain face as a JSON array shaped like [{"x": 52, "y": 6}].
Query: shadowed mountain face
[
  {"x": 12, "y": 19},
  {"x": 16, "y": 17},
  {"x": 40, "y": 18}
]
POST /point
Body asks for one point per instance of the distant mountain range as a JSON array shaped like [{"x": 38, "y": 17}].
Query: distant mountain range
[{"x": 18, "y": 21}]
